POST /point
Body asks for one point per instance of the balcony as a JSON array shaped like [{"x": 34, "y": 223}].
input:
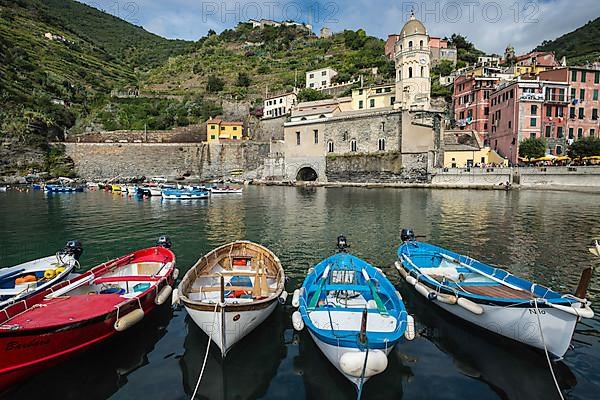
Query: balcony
[{"x": 556, "y": 99}]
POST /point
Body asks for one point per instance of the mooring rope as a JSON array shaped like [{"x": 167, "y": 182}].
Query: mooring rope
[
  {"x": 537, "y": 313},
  {"x": 207, "y": 349}
]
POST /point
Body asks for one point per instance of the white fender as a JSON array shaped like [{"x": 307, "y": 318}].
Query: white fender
[
  {"x": 352, "y": 363},
  {"x": 129, "y": 320},
  {"x": 424, "y": 290},
  {"x": 401, "y": 270},
  {"x": 175, "y": 274},
  {"x": 447, "y": 298},
  {"x": 163, "y": 295},
  {"x": 175, "y": 298},
  {"x": 470, "y": 306},
  {"x": 283, "y": 297},
  {"x": 297, "y": 321},
  {"x": 409, "y": 333},
  {"x": 296, "y": 298},
  {"x": 411, "y": 280},
  {"x": 584, "y": 312}
]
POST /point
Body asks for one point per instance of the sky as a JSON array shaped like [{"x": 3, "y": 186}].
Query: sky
[{"x": 491, "y": 25}]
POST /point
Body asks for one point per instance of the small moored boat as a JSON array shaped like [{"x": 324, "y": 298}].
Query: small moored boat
[
  {"x": 73, "y": 315},
  {"x": 25, "y": 280},
  {"x": 182, "y": 194},
  {"x": 232, "y": 290},
  {"x": 493, "y": 298},
  {"x": 353, "y": 313},
  {"x": 226, "y": 190}
]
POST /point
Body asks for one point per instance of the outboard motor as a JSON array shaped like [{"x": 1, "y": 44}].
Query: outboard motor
[
  {"x": 342, "y": 243},
  {"x": 73, "y": 248},
  {"x": 164, "y": 241},
  {"x": 407, "y": 235}
]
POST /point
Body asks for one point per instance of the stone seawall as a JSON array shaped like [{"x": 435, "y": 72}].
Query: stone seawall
[
  {"x": 103, "y": 160},
  {"x": 470, "y": 177},
  {"x": 561, "y": 177},
  {"x": 380, "y": 167}
]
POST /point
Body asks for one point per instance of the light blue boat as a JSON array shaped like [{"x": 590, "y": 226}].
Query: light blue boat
[
  {"x": 353, "y": 313},
  {"x": 183, "y": 194},
  {"x": 493, "y": 298}
]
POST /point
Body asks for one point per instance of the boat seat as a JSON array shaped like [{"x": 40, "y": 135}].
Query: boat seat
[
  {"x": 148, "y": 268},
  {"x": 351, "y": 320},
  {"x": 144, "y": 278}
]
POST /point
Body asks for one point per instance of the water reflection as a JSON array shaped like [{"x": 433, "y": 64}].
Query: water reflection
[
  {"x": 512, "y": 370},
  {"x": 100, "y": 372},
  {"x": 246, "y": 371}
]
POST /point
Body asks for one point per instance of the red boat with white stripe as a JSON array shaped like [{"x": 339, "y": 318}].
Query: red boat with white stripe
[{"x": 74, "y": 315}]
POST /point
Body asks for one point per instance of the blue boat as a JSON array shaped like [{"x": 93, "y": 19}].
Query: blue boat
[
  {"x": 493, "y": 298},
  {"x": 353, "y": 313},
  {"x": 62, "y": 189},
  {"x": 183, "y": 194}
]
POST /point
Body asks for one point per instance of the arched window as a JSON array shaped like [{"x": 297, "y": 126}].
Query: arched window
[
  {"x": 345, "y": 136},
  {"x": 322, "y": 116},
  {"x": 381, "y": 143},
  {"x": 559, "y": 150},
  {"x": 422, "y": 71},
  {"x": 330, "y": 147},
  {"x": 410, "y": 72},
  {"x": 421, "y": 44},
  {"x": 410, "y": 44},
  {"x": 353, "y": 145}
]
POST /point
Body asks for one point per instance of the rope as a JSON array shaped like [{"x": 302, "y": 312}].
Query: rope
[
  {"x": 537, "y": 313},
  {"x": 362, "y": 374},
  {"x": 207, "y": 349}
]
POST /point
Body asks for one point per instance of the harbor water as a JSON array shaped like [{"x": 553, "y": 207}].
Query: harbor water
[{"x": 539, "y": 235}]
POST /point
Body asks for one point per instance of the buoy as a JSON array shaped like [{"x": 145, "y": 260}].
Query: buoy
[
  {"x": 424, "y": 290},
  {"x": 297, "y": 321},
  {"x": 49, "y": 274},
  {"x": 163, "y": 295},
  {"x": 175, "y": 274},
  {"x": 59, "y": 270},
  {"x": 31, "y": 278},
  {"x": 296, "y": 298},
  {"x": 584, "y": 312},
  {"x": 470, "y": 306},
  {"x": 447, "y": 298},
  {"x": 175, "y": 298},
  {"x": 409, "y": 333},
  {"x": 129, "y": 320},
  {"x": 283, "y": 297},
  {"x": 352, "y": 363},
  {"x": 401, "y": 270}
]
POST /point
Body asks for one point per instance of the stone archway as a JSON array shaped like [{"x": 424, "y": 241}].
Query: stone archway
[{"x": 307, "y": 174}]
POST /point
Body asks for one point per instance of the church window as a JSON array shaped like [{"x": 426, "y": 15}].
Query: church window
[
  {"x": 410, "y": 44},
  {"x": 422, "y": 71},
  {"x": 410, "y": 72},
  {"x": 353, "y": 145},
  {"x": 421, "y": 44},
  {"x": 381, "y": 143},
  {"x": 330, "y": 147}
]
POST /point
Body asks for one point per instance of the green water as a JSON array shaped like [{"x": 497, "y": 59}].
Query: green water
[{"x": 538, "y": 235}]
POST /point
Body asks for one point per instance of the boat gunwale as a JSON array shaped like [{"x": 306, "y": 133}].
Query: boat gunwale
[{"x": 203, "y": 262}]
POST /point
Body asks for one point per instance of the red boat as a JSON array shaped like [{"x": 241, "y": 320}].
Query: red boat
[{"x": 74, "y": 315}]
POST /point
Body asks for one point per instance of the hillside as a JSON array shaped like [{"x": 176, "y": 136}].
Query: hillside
[
  {"x": 269, "y": 59},
  {"x": 580, "y": 46}
]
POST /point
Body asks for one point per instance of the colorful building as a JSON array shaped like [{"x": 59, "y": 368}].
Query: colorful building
[
  {"x": 441, "y": 50},
  {"x": 471, "y": 103},
  {"x": 463, "y": 155},
  {"x": 279, "y": 105},
  {"x": 218, "y": 131},
  {"x": 374, "y": 97},
  {"x": 534, "y": 63}
]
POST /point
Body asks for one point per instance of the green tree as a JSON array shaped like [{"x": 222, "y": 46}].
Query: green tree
[
  {"x": 243, "y": 79},
  {"x": 586, "y": 147},
  {"x": 215, "y": 84},
  {"x": 443, "y": 68},
  {"x": 312, "y": 95},
  {"x": 532, "y": 148}
]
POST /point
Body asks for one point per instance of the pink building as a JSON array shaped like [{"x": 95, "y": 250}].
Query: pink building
[
  {"x": 471, "y": 103},
  {"x": 390, "y": 44},
  {"x": 582, "y": 100},
  {"x": 527, "y": 108}
]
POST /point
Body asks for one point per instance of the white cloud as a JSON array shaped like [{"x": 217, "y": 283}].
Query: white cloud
[{"x": 491, "y": 25}]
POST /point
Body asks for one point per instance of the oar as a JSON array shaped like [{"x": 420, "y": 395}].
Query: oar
[
  {"x": 315, "y": 298},
  {"x": 380, "y": 307},
  {"x": 470, "y": 268}
]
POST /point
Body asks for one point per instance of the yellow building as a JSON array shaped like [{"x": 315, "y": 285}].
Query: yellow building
[
  {"x": 461, "y": 155},
  {"x": 369, "y": 98},
  {"x": 218, "y": 130}
]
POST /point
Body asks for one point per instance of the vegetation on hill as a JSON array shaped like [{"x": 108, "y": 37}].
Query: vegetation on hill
[{"x": 579, "y": 46}]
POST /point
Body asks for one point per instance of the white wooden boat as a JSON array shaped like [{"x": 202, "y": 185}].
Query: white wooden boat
[
  {"x": 232, "y": 290},
  {"x": 226, "y": 190},
  {"x": 493, "y": 298},
  {"x": 3, "y": 188},
  {"x": 26, "y": 279},
  {"x": 181, "y": 194}
]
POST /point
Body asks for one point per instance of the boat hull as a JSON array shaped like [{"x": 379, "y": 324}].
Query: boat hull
[
  {"x": 335, "y": 353},
  {"x": 239, "y": 321}
]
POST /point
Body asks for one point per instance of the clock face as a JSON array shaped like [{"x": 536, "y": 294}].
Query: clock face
[{"x": 423, "y": 60}]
